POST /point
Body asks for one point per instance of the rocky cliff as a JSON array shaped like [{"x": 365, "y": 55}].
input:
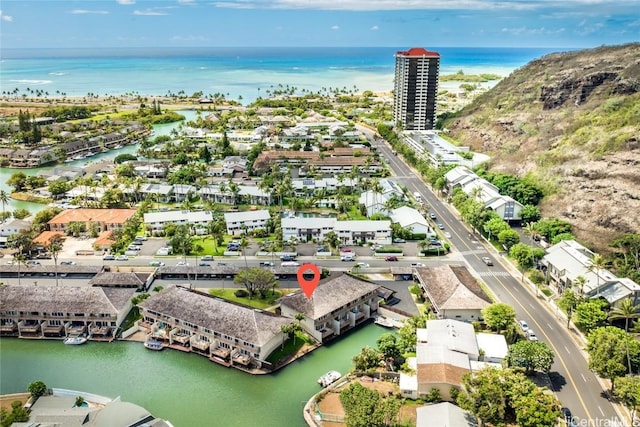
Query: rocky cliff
[{"x": 571, "y": 120}]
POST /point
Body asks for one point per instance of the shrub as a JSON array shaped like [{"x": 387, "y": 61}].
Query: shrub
[{"x": 241, "y": 293}]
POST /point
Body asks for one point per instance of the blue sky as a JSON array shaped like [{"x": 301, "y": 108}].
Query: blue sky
[{"x": 438, "y": 23}]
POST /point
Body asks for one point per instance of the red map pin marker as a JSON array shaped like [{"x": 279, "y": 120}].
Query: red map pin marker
[{"x": 308, "y": 286}]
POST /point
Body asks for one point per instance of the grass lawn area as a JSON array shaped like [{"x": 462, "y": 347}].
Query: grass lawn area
[
  {"x": 290, "y": 347},
  {"x": 256, "y": 302},
  {"x": 208, "y": 246}
]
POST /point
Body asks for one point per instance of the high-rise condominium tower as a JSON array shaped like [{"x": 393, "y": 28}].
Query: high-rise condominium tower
[{"x": 416, "y": 88}]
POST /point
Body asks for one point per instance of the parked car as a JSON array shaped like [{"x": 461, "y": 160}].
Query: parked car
[
  {"x": 133, "y": 248},
  {"x": 157, "y": 264},
  {"x": 487, "y": 260},
  {"x": 122, "y": 258},
  {"x": 531, "y": 335},
  {"x": 108, "y": 258},
  {"x": 568, "y": 417},
  {"x": 398, "y": 240},
  {"x": 142, "y": 238},
  {"x": 391, "y": 258},
  {"x": 523, "y": 325},
  {"x": 67, "y": 263},
  {"x": 31, "y": 262},
  {"x": 206, "y": 258}
]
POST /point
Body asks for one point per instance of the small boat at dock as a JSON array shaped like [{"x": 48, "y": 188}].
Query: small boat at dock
[
  {"x": 153, "y": 344},
  {"x": 75, "y": 340},
  {"x": 329, "y": 378}
]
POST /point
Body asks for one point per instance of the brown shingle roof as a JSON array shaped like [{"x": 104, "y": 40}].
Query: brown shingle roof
[
  {"x": 121, "y": 279},
  {"x": 440, "y": 373},
  {"x": 452, "y": 287},
  {"x": 45, "y": 237},
  {"x": 48, "y": 299},
  {"x": 328, "y": 296},
  {"x": 245, "y": 323}
]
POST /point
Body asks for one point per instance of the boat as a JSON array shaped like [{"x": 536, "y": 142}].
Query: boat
[
  {"x": 154, "y": 345},
  {"x": 384, "y": 322},
  {"x": 329, "y": 378},
  {"x": 75, "y": 340}
]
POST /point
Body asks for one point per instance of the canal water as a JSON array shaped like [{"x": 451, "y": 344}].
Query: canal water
[
  {"x": 186, "y": 389},
  {"x": 33, "y": 208}
]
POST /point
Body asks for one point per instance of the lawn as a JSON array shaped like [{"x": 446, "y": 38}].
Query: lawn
[
  {"x": 290, "y": 347},
  {"x": 208, "y": 246},
  {"x": 255, "y": 302}
]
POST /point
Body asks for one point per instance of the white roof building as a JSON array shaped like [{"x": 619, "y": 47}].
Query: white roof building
[
  {"x": 493, "y": 346},
  {"x": 241, "y": 222},
  {"x": 157, "y": 220},
  {"x": 410, "y": 217}
]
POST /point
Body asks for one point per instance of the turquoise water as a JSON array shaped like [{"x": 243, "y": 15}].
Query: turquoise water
[{"x": 184, "y": 388}]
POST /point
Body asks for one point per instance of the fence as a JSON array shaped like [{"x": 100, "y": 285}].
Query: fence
[{"x": 335, "y": 418}]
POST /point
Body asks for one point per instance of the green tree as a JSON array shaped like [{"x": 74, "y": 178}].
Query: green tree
[
  {"x": 388, "y": 347},
  {"x": 4, "y": 199},
  {"x": 628, "y": 391},
  {"x": 255, "y": 280},
  {"x": 568, "y": 302},
  {"x": 407, "y": 332},
  {"x": 508, "y": 238},
  {"x": 531, "y": 355},
  {"x": 364, "y": 407},
  {"x": 21, "y": 213},
  {"x": 538, "y": 408},
  {"x": 530, "y": 214},
  {"x": 17, "y": 181},
  {"x": 181, "y": 240},
  {"x": 484, "y": 395},
  {"x": 368, "y": 358},
  {"x": 611, "y": 352},
  {"x": 498, "y": 316},
  {"x": 37, "y": 389},
  {"x": 590, "y": 314},
  {"x": 523, "y": 254},
  {"x": 495, "y": 226},
  {"x": 244, "y": 244}
]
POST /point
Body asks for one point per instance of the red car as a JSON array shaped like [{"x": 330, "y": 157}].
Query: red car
[{"x": 391, "y": 258}]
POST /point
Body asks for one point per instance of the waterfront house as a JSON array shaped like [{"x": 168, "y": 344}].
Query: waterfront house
[
  {"x": 243, "y": 222},
  {"x": 338, "y": 304},
  {"x": 36, "y": 311},
  {"x": 107, "y": 219},
  {"x": 452, "y": 291},
  {"x": 227, "y": 333},
  {"x": 14, "y": 226}
]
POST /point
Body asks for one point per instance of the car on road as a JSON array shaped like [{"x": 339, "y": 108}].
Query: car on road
[
  {"x": 122, "y": 258},
  {"x": 568, "y": 417},
  {"x": 447, "y": 234},
  {"x": 487, "y": 260},
  {"x": 361, "y": 265},
  {"x": 289, "y": 264},
  {"x": 33, "y": 262},
  {"x": 287, "y": 258},
  {"x": 142, "y": 238},
  {"x": 204, "y": 264},
  {"x": 348, "y": 257},
  {"x": 441, "y": 227},
  {"x": 182, "y": 264},
  {"x": 67, "y": 263},
  {"x": 432, "y": 215},
  {"x": 399, "y": 240},
  {"x": 206, "y": 258},
  {"x": 109, "y": 258},
  {"x": 137, "y": 243},
  {"x": 391, "y": 258},
  {"x": 267, "y": 264},
  {"x": 418, "y": 264},
  {"x": 531, "y": 335},
  {"x": 523, "y": 325},
  {"x": 157, "y": 264}
]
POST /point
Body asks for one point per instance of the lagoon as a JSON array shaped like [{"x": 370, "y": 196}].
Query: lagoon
[{"x": 186, "y": 389}]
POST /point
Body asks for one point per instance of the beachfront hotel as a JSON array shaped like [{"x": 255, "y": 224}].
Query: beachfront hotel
[{"x": 415, "y": 89}]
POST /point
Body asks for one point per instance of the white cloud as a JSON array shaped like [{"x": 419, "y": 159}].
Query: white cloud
[
  {"x": 5, "y": 18},
  {"x": 149, "y": 12},
  {"x": 335, "y": 27},
  {"x": 361, "y": 5},
  {"x": 187, "y": 2},
  {"x": 526, "y": 30},
  {"x": 374, "y": 28},
  {"x": 89, "y": 12},
  {"x": 126, "y": 2}
]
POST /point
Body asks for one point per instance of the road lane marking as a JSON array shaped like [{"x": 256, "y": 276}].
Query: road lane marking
[
  {"x": 601, "y": 411},
  {"x": 550, "y": 343},
  {"x": 566, "y": 348},
  {"x": 583, "y": 378},
  {"x": 550, "y": 327}
]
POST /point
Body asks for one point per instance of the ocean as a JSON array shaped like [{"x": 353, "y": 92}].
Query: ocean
[{"x": 242, "y": 74}]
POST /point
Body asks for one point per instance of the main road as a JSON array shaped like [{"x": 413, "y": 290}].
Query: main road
[{"x": 575, "y": 385}]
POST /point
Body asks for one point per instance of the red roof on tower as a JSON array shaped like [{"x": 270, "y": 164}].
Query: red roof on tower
[{"x": 418, "y": 51}]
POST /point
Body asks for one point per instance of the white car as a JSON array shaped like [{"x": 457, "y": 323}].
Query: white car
[
  {"x": 447, "y": 234},
  {"x": 523, "y": 325},
  {"x": 362, "y": 265},
  {"x": 182, "y": 264},
  {"x": 122, "y": 258},
  {"x": 531, "y": 335}
]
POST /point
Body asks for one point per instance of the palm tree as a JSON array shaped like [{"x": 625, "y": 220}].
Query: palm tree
[
  {"x": 580, "y": 282},
  {"x": 625, "y": 310},
  {"x": 4, "y": 199},
  {"x": 55, "y": 246},
  {"x": 244, "y": 244},
  {"x": 20, "y": 260},
  {"x": 597, "y": 263},
  {"x": 530, "y": 230}
]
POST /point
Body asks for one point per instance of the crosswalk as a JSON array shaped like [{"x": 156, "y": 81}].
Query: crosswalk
[
  {"x": 474, "y": 252},
  {"x": 494, "y": 274}
]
